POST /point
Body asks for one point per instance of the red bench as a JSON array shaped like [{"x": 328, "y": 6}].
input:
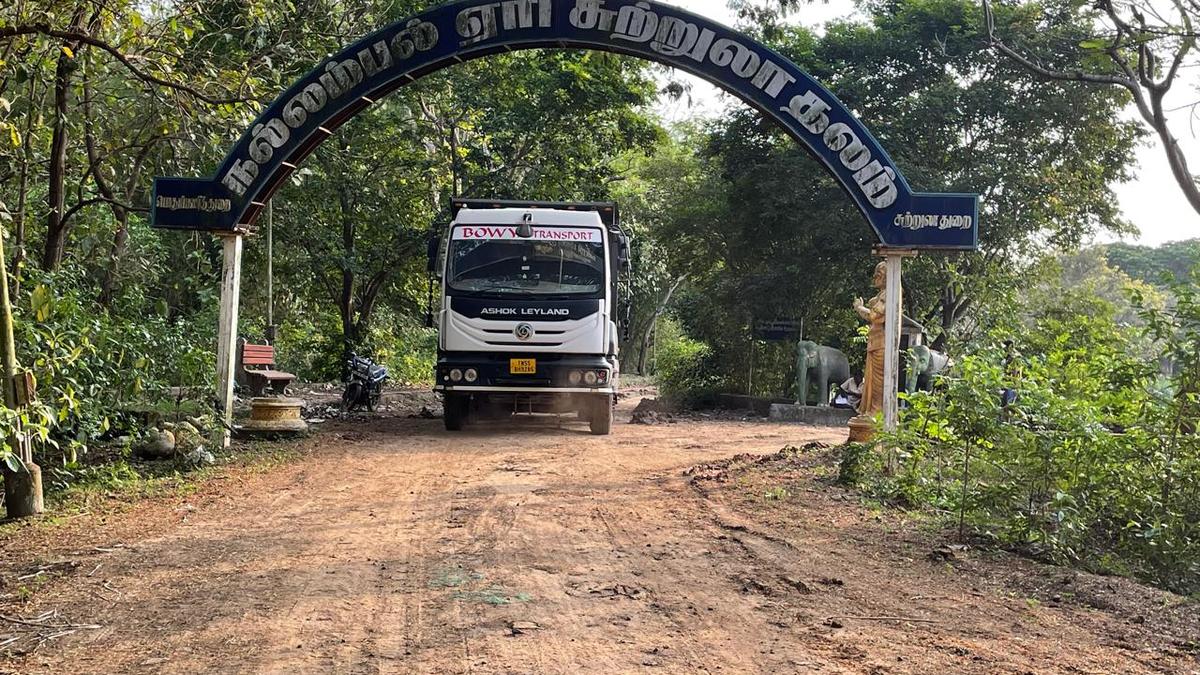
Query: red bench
[{"x": 258, "y": 367}]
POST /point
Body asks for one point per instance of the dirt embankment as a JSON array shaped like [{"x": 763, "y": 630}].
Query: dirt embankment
[{"x": 533, "y": 546}]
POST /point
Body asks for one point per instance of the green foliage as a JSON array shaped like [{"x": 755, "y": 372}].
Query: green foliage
[
  {"x": 855, "y": 463},
  {"x": 91, "y": 365},
  {"x": 770, "y": 236},
  {"x": 683, "y": 365},
  {"x": 1092, "y": 464},
  {"x": 1150, "y": 263}
]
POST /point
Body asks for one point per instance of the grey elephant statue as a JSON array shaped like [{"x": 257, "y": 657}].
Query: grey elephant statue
[
  {"x": 819, "y": 365},
  {"x": 923, "y": 364}
]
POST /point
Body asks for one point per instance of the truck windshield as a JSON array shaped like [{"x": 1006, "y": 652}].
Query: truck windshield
[{"x": 515, "y": 266}]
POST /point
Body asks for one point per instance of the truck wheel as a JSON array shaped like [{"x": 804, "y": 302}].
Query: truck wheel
[
  {"x": 601, "y": 416},
  {"x": 454, "y": 411}
]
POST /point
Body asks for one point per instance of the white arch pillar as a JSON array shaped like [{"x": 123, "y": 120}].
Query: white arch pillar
[
  {"x": 893, "y": 258},
  {"x": 231, "y": 288}
]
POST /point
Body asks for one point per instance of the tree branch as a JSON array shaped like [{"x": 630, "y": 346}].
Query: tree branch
[
  {"x": 1049, "y": 73},
  {"x": 102, "y": 200},
  {"x": 87, "y": 38}
]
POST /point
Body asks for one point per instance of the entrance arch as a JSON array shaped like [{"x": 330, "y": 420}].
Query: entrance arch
[
  {"x": 306, "y": 114},
  {"x": 301, "y": 118}
]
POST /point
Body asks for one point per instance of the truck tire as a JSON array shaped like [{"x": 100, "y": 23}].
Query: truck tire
[
  {"x": 454, "y": 411},
  {"x": 601, "y": 417}
]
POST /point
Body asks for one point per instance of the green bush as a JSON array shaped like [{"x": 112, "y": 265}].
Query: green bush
[
  {"x": 92, "y": 366},
  {"x": 683, "y": 370},
  {"x": 1093, "y": 464},
  {"x": 405, "y": 346}
]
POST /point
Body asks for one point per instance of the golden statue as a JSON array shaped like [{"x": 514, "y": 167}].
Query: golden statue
[{"x": 873, "y": 312}]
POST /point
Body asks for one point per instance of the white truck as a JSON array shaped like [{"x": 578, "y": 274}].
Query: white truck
[{"x": 528, "y": 314}]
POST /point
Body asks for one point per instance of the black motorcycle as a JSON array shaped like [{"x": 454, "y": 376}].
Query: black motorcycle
[{"x": 364, "y": 384}]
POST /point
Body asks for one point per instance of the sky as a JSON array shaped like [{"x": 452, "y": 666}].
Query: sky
[{"x": 1152, "y": 201}]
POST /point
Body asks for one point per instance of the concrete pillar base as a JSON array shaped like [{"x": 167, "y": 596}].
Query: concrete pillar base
[
  {"x": 862, "y": 429},
  {"x": 23, "y": 492}
]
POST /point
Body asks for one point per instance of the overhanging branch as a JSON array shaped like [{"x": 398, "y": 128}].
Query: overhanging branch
[{"x": 84, "y": 37}]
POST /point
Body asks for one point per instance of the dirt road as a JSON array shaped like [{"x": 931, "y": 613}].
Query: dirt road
[{"x": 533, "y": 547}]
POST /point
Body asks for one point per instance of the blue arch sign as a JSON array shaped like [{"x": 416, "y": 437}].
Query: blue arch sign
[{"x": 345, "y": 83}]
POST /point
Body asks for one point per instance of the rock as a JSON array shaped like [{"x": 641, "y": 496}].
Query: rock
[
  {"x": 200, "y": 457},
  {"x": 651, "y": 417},
  {"x": 797, "y": 584},
  {"x": 519, "y": 627},
  {"x": 156, "y": 445},
  {"x": 187, "y": 437},
  {"x": 946, "y": 553}
]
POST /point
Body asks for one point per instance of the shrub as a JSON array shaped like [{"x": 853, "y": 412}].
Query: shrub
[
  {"x": 683, "y": 371},
  {"x": 91, "y": 365},
  {"x": 1092, "y": 464}
]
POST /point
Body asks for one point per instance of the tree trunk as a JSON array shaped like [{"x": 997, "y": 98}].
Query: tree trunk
[
  {"x": 1175, "y": 157},
  {"x": 23, "y": 491},
  {"x": 22, "y": 488},
  {"x": 346, "y": 297},
  {"x": 658, "y": 311},
  {"x": 57, "y": 170},
  {"x": 109, "y": 283}
]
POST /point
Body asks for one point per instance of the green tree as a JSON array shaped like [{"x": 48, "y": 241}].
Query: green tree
[
  {"x": 920, "y": 75},
  {"x": 1175, "y": 258},
  {"x": 1140, "y": 48}
]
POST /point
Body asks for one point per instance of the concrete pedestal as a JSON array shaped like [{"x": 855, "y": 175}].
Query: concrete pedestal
[
  {"x": 862, "y": 429},
  {"x": 271, "y": 414},
  {"x": 809, "y": 414}
]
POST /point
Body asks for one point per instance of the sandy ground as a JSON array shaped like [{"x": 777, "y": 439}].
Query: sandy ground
[{"x": 532, "y": 546}]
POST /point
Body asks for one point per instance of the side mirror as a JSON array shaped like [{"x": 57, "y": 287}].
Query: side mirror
[
  {"x": 429, "y": 302},
  {"x": 431, "y": 252},
  {"x": 432, "y": 272},
  {"x": 623, "y": 255}
]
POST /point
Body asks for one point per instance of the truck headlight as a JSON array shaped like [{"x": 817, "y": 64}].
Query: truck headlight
[
  {"x": 574, "y": 377},
  {"x": 455, "y": 375},
  {"x": 590, "y": 377},
  {"x": 470, "y": 375}
]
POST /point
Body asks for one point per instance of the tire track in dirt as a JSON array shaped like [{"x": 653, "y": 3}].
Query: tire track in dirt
[{"x": 399, "y": 548}]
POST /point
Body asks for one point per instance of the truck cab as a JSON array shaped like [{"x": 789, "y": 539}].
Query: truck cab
[{"x": 527, "y": 318}]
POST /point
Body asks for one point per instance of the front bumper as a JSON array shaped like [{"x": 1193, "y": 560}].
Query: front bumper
[{"x": 552, "y": 372}]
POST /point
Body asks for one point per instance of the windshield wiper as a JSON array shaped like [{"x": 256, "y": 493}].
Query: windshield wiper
[{"x": 488, "y": 264}]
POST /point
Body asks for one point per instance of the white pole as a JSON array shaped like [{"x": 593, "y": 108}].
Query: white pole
[
  {"x": 891, "y": 341},
  {"x": 270, "y": 272},
  {"x": 231, "y": 283}
]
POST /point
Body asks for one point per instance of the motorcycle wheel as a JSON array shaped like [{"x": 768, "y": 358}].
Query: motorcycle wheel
[
  {"x": 351, "y": 396},
  {"x": 373, "y": 398}
]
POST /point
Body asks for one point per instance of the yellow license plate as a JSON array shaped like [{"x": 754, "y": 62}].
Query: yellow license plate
[{"x": 522, "y": 366}]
